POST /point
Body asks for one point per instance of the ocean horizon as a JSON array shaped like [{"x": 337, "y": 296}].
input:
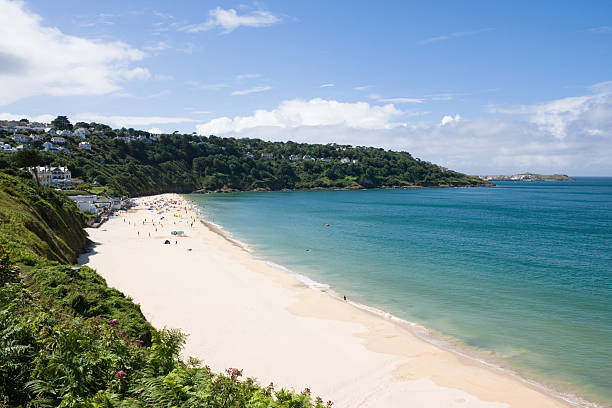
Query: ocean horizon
[{"x": 519, "y": 275}]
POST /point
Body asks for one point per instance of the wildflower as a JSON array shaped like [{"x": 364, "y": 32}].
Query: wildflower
[
  {"x": 139, "y": 342},
  {"x": 306, "y": 391},
  {"x": 329, "y": 404},
  {"x": 113, "y": 322},
  {"x": 234, "y": 373},
  {"x": 120, "y": 374}
]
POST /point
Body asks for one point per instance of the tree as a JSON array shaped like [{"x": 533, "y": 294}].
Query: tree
[
  {"x": 29, "y": 158},
  {"x": 62, "y": 123}
]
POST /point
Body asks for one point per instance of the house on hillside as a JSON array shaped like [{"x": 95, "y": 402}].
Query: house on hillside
[
  {"x": 50, "y": 148},
  {"x": 85, "y": 145},
  {"x": 20, "y": 138},
  {"x": 250, "y": 155},
  {"x": 7, "y": 148},
  {"x": 52, "y": 176},
  {"x": 50, "y": 131},
  {"x": 293, "y": 157},
  {"x": 345, "y": 160},
  {"x": 307, "y": 158},
  {"x": 82, "y": 133},
  {"x": 58, "y": 140},
  {"x": 267, "y": 155},
  {"x": 37, "y": 138}
]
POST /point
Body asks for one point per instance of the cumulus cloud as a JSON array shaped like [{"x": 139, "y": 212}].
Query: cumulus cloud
[
  {"x": 449, "y": 119},
  {"x": 566, "y": 116},
  {"x": 570, "y": 135},
  {"x": 36, "y": 59},
  {"x": 327, "y": 85},
  {"x": 313, "y": 113},
  {"x": 229, "y": 20}
]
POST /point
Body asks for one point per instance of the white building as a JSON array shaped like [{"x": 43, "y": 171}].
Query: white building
[
  {"x": 52, "y": 176},
  {"x": 85, "y": 145},
  {"x": 307, "y": 157},
  {"x": 50, "y": 148},
  {"x": 267, "y": 155},
  {"x": 37, "y": 138},
  {"x": 58, "y": 140},
  {"x": 85, "y": 203},
  {"x": 294, "y": 158},
  {"x": 64, "y": 133},
  {"x": 345, "y": 160},
  {"x": 50, "y": 131},
  {"x": 7, "y": 148},
  {"x": 20, "y": 138},
  {"x": 82, "y": 133}
]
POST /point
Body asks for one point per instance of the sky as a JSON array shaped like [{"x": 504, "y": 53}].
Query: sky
[{"x": 477, "y": 86}]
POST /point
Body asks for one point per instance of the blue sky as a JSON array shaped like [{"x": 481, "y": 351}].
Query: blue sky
[{"x": 481, "y": 87}]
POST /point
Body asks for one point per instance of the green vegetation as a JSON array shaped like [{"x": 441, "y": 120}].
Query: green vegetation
[
  {"x": 128, "y": 161},
  {"x": 68, "y": 340}
]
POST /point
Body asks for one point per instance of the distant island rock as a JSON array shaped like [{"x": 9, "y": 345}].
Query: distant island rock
[{"x": 529, "y": 177}]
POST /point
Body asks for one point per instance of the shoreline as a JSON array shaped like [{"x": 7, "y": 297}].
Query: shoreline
[
  {"x": 342, "y": 351},
  {"x": 423, "y": 333}
]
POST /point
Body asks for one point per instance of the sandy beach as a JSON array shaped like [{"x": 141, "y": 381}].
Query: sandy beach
[{"x": 241, "y": 312}]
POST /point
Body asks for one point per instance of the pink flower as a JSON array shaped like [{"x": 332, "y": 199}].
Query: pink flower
[
  {"x": 233, "y": 373},
  {"x": 139, "y": 342},
  {"x": 113, "y": 322},
  {"x": 120, "y": 374}
]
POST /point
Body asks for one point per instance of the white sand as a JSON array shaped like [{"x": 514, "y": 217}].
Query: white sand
[{"x": 240, "y": 312}]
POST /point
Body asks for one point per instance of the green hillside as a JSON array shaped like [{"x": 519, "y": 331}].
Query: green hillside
[{"x": 128, "y": 161}]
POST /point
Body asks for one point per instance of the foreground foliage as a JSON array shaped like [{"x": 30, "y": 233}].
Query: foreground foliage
[{"x": 68, "y": 340}]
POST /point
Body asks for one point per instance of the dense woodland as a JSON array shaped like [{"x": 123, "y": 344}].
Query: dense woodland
[{"x": 186, "y": 163}]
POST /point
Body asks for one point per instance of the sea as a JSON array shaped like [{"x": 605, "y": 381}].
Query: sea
[{"x": 518, "y": 275}]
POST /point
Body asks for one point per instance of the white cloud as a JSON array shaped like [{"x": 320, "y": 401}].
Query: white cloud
[
  {"x": 449, "y": 119},
  {"x": 137, "y": 73},
  {"x": 327, "y": 85},
  {"x": 155, "y": 131},
  {"x": 251, "y": 90},
  {"x": 510, "y": 140},
  {"x": 563, "y": 116},
  {"x": 395, "y": 100},
  {"x": 128, "y": 121},
  {"x": 162, "y": 77},
  {"x": 313, "y": 113},
  {"x": 206, "y": 87},
  {"x": 241, "y": 77},
  {"x": 454, "y": 35},
  {"x": 111, "y": 120},
  {"x": 41, "y": 60},
  {"x": 363, "y": 87},
  {"x": 601, "y": 30},
  {"x": 160, "y": 46},
  {"x": 229, "y": 20},
  {"x": 401, "y": 100}
]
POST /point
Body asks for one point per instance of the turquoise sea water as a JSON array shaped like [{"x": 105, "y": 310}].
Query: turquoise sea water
[{"x": 520, "y": 273}]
